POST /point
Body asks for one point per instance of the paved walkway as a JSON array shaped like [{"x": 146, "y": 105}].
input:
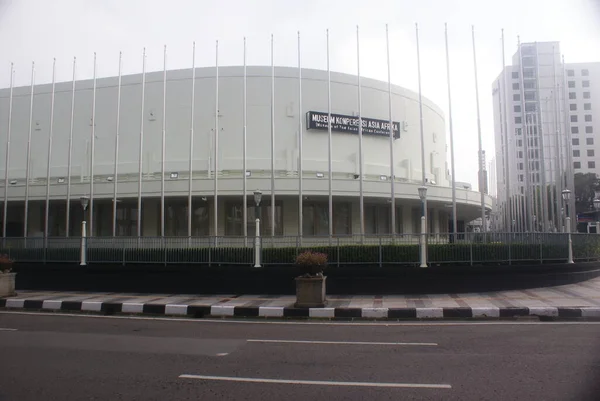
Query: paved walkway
[{"x": 574, "y": 300}]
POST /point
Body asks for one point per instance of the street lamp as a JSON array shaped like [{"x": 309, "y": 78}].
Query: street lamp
[
  {"x": 257, "y": 198},
  {"x": 83, "y": 256},
  {"x": 597, "y": 207},
  {"x": 566, "y": 195},
  {"x": 423, "y": 197}
]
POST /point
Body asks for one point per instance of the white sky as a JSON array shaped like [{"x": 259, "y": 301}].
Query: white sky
[{"x": 38, "y": 30}]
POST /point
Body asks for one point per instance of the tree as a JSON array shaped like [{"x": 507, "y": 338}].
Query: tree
[{"x": 586, "y": 186}]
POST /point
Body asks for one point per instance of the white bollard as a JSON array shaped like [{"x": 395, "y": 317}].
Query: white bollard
[
  {"x": 83, "y": 252},
  {"x": 257, "y": 244},
  {"x": 423, "y": 242}
]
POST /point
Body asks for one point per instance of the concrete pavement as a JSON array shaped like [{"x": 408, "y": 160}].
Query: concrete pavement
[
  {"x": 124, "y": 358},
  {"x": 581, "y": 300}
]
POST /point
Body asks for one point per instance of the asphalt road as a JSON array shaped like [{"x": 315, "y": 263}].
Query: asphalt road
[{"x": 53, "y": 357}]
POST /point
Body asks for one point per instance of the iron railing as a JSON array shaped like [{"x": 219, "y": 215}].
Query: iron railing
[{"x": 377, "y": 250}]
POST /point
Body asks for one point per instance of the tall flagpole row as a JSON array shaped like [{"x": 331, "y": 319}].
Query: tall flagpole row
[{"x": 49, "y": 156}]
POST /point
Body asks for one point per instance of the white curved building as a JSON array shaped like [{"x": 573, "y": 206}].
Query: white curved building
[{"x": 76, "y": 154}]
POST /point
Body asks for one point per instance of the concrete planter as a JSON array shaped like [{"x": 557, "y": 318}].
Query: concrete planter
[
  {"x": 310, "y": 292},
  {"x": 7, "y": 284}
]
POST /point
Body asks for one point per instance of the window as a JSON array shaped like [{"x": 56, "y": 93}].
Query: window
[
  {"x": 517, "y": 109},
  {"x": 520, "y": 142},
  {"x": 378, "y": 219},
  {"x": 573, "y": 119},
  {"x": 520, "y": 154},
  {"x": 585, "y": 84},
  {"x": 571, "y": 84},
  {"x": 576, "y": 165},
  {"x": 516, "y": 86},
  {"x": 592, "y": 164},
  {"x": 586, "y": 95},
  {"x": 589, "y": 130},
  {"x": 589, "y": 141},
  {"x": 517, "y": 120},
  {"x": 521, "y": 177},
  {"x": 575, "y": 141},
  {"x": 529, "y": 73},
  {"x": 520, "y": 166},
  {"x": 572, "y": 95},
  {"x": 530, "y": 96},
  {"x": 517, "y": 97},
  {"x": 530, "y": 106},
  {"x": 316, "y": 218},
  {"x": 529, "y": 85},
  {"x": 574, "y": 130},
  {"x": 515, "y": 74},
  {"x": 573, "y": 107},
  {"x": 518, "y": 131},
  {"x": 585, "y": 73},
  {"x": 587, "y": 106},
  {"x": 576, "y": 153},
  {"x": 176, "y": 218},
  {"x": 590, "y": 152},
  {"x": 571, "y": 73},
  {"x": 588, "y": 118},
  {"x": 234, "y": 218}
]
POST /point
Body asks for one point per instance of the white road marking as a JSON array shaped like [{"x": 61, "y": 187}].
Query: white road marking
[
  {"x": 6, "y": 329},
  {"x": 223, "y": 354},
  {"x": 315, "y": 382},
  {"x": 335, "y": 342},
  {"x": 300, "y": 323}
]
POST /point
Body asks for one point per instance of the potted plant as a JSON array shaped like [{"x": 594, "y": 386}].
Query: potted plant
[
  {"x": 7, "y": 279},
  {"x": 310, "y": 285}
]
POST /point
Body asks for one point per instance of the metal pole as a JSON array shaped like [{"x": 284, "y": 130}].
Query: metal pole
[
  {"x": 540, "y": 133},
  {"x": 141, "y": 153},
  {"x": 481, "y": 166},
  {"x": 116, "y": 165},
  {"x": 506, "y": 153},
  {"x": 7, "y": 158},
  {"x": 300, "y": 146},
  {"x": 244, "y": 160},
  {"x": 191, "y": 154},
  {"x": 92, "y": 153},
  {"x": 216, "y": 146},
  {"x": 391, "y": 138},
  {"x": 329, "y": 143},
  {"x": 70, "y": 156},
  {"x": 163, "y": 147},
  {"x": 570, "y": 176},
  {"x": 48, "y": 165},
  {"x": 422, "y": 134},
  {"x": 257, "y": 243},
  {"x": 28, "y": 161},
  {"x": 528, "y": 204},
  {"x": 454, "y": 219},
  {"x": 272, "y": 140},
  {"x": 83, "y": 248},
  {"x": 360, "y": 142},
  {"x": 558, "y": 167}
]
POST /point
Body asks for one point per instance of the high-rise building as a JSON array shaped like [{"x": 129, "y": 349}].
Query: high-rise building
[{"x": 544, "y": 128}]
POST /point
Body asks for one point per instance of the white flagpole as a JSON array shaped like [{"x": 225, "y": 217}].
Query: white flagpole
[
  {"x": 141, "y": 153},
  {"x": 300, "y": 146},
  {"x": 329, "y": 142},
  {"x": 557, "y": 142},
  {"x": 163, "y": 147},
  {"x": 244, "y": 161},
  {"x": 454, "y": 221},
  {"x": 70, "y": 156},
  {"x": 7, "y": 159},
  {"x": 540, "y": 133},
  {"x": 422, "y": 134},
  {"x": 360, "y": 142},
  {"x": 191, "y": 154},
  {"x": 48, "y": 165},
  {"x": 391, "y": 139},
  {"x": 569, "y": 179},
  {"x": 272, "y": 140},
  {"x": 528, "y": 201},
  {"x": 92, "y": 154},
  {"x": 27, "y": 169},
  {"x": 216, "y": 145},
  {"x": 506, "y": 153},
  {"x": 481, "y": 166},
  {"x": 116, "y": 164}
]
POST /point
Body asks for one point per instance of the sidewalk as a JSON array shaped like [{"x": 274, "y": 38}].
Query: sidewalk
[{"x": 581, "y": 300}]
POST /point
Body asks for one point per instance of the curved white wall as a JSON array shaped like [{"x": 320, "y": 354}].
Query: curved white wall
[{"x": 344, "y": 92}]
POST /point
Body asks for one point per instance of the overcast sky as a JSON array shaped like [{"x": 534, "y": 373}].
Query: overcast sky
[{"x": 38, "y": 30}]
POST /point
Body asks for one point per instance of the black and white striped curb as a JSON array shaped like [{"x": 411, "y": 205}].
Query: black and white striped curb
[{"x": 281, "y": 312}]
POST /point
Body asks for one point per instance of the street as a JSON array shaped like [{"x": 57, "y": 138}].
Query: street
[{"x": 47, "y": 356}]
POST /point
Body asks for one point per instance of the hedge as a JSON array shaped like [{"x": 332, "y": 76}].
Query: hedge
[{"x": 458, "y": 253}]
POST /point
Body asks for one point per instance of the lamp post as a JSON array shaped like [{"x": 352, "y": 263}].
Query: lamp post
[
  {"x": 423, "y": 197},
  {"x": 257, "y": 198},
  {"x": 83, "y": 256},
  {"x": 597, "y": 207},
  {"x": 566, "y": 195}
]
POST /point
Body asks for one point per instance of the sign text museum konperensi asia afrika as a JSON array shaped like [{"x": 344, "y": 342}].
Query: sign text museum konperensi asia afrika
[{"x": 341, "y": 123}]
